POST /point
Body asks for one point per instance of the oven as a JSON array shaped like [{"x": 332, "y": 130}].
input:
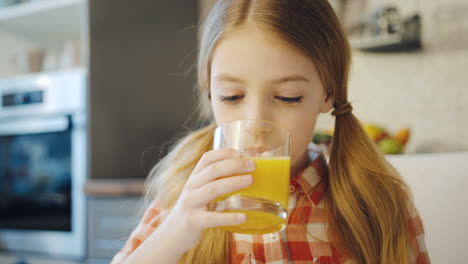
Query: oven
[{"x": 43, "y": 164}]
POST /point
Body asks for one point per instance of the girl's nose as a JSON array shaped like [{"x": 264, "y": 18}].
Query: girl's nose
[
  {"x": 258, "y": 128},
  {"x": 258, "y": 108}
]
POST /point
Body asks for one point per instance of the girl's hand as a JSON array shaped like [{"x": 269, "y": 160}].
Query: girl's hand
[{"x": 209, "y": 180}]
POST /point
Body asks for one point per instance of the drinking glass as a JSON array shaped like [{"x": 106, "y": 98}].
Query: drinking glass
[{"x": 265, "y": 202}]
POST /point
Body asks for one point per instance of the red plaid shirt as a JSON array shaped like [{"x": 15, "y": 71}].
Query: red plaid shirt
[{"x": 304, "y": 240}]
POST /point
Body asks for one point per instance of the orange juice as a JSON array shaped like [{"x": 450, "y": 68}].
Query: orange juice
[{"x": 270, "y": 189}]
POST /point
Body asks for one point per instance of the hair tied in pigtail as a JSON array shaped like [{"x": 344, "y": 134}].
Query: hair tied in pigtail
[{"x": 341, "y": 109}]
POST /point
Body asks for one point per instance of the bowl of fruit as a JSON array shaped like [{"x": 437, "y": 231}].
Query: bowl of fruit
[{"x": 387, "y": 143}]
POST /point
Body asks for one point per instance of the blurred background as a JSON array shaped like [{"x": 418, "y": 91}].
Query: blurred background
[
  {"x": 92, "y": 93},
  {"x": 418, "y": 82}
]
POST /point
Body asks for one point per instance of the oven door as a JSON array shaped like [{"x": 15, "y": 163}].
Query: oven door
[
  {"x": 42, "y": 171},
  {"x": 35, "y": 175}
]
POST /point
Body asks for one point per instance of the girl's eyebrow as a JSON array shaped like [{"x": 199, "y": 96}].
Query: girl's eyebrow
[
  {"x": 227, "y": 78},
  {"x": 290, "y": 78}
]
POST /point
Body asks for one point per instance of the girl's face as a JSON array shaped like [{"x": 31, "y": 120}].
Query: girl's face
[{"x": 257, "y": 75}]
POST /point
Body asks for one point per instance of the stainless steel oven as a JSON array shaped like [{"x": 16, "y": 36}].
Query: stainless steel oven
[{"x": 43, "y": 163}]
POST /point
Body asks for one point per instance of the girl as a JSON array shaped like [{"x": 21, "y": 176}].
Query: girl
[{"x": 284, "y": 61}]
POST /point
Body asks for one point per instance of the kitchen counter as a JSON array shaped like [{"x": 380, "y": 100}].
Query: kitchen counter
[
  {"x": 114, "y": 187},
  {"x": 438, "y": 182}
]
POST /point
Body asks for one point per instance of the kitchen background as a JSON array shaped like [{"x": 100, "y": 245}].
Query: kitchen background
[{"x": 126, "y": 47}]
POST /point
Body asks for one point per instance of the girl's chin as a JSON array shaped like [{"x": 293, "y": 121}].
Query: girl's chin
[{"x": 298, "y": 162}]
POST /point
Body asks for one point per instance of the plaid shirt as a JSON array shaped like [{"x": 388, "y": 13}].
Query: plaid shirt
[{"x": 304, "y": 240}]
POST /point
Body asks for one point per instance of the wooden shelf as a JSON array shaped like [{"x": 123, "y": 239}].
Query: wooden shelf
[
  {"x": 385, "y": 43},
  {"x": 45, "y": 22}
]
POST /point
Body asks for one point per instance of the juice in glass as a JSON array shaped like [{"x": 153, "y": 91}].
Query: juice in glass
[{"x": 270, "y": 189}]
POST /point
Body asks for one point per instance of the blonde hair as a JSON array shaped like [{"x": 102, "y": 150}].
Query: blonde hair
[{"x": 366, "y": 198}]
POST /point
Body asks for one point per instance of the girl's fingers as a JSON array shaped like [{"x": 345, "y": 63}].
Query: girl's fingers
[
  {"x": 213, "y": 156},
  {"x": 217, "y": 188},
  {"x": 223, "y": 168},
  {"x": 214, "y": 219}
]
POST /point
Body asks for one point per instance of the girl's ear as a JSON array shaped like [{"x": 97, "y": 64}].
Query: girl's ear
[{"x": 327, "y": 103}]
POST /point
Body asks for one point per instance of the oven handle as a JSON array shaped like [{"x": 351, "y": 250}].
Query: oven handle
[{"x": 34, "y": 125}]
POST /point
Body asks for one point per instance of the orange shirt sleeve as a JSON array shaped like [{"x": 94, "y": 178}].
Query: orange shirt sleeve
[{"x": 146, "y": 226}]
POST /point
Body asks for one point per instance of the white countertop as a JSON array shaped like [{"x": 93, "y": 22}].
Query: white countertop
[{"x": 439, "y": 183}]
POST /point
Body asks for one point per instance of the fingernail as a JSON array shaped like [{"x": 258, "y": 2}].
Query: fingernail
[
  {"x": 241, "y": 218},
  {"x": 250, "y": 164},
  {"x": 247, "y": 179},
  {"x": 236, "y": 154}
]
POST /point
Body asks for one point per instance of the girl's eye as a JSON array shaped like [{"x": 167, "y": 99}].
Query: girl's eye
[
  {"x": 231, "y": 98},
  {"x": 290, "y": 100}
]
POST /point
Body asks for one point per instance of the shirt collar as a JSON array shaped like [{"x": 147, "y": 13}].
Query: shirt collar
[{"x": 313, "y": 179}]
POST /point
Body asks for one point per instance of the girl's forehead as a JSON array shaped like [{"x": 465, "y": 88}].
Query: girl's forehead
[
  {"x": 256, "y": 37},
  {"x": 259, "y": 54}
]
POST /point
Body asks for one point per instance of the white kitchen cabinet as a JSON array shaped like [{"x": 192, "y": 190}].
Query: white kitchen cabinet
[
  {"x": 110, "y": 222},
  {"x": 48, "y": 35},
  {"x": 44, "y": 22}
]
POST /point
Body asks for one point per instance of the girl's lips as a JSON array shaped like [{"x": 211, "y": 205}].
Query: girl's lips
[{"x": 256, "y": 150}]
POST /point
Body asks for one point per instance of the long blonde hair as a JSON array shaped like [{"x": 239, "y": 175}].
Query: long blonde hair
[{"x": 366, "y": 198}]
